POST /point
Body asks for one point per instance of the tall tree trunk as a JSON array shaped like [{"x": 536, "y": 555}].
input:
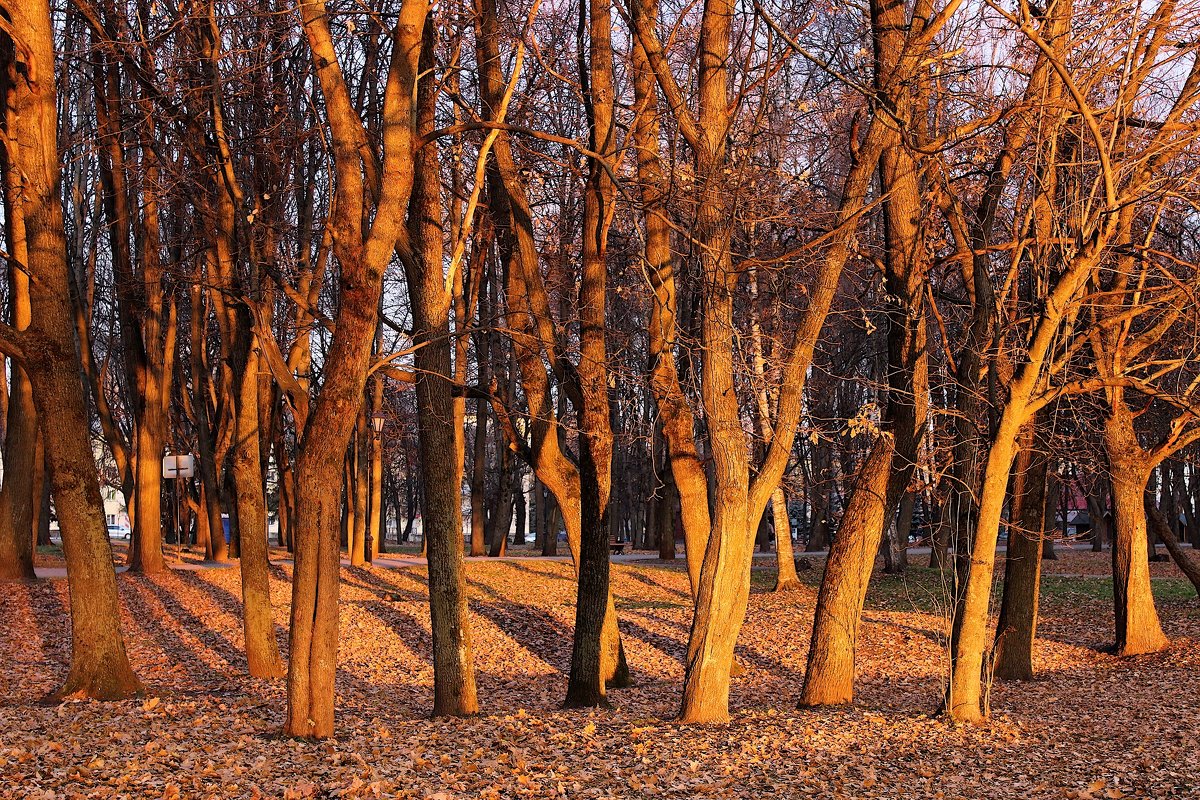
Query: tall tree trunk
[
  {"x": 454, "y": 691},
  {"x": 49, "y": 352},
  {"x": 363, "y": 254},
  {"x": 377, "y": 527},
  {"x": 16, "y": 495}
]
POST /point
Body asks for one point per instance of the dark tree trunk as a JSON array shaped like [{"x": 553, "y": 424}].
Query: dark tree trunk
[{"x": 1017, "y": 627}]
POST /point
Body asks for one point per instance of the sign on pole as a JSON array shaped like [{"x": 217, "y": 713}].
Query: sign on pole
[{"x": 179, "y": 466}]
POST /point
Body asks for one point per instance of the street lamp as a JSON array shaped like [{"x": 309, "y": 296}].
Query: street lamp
[{"x": 377, "y": 420}]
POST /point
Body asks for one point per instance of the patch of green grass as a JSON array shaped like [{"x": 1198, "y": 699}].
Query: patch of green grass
[
  {"x": 1101, "y": 588},
  {"x": 49, "y": 550}
]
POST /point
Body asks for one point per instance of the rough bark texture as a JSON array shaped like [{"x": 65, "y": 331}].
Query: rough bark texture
[
  {"x": 99, "y": 665},
  {"x": 454, "y": 692},
  {"x": 829, "y": 677},
  {"x": 1138, "y": 629},
  {"x": 363, "y": 254},
  {"x": 1017, "y": 627},
  {"x": 586, "y": 681}
]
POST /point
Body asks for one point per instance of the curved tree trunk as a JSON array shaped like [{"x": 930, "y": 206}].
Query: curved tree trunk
[{"x": 829, "y": 677}]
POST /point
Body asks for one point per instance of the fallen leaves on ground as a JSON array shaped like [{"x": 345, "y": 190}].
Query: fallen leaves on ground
[{"x": 1091, "y": 725}]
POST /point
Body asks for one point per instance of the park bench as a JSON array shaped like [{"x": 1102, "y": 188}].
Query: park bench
[{"x": 615, "y": 546}]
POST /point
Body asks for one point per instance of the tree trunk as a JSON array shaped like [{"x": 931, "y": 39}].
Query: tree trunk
[
  {"x": 1017, "y": 627},
  {"x": 363, "y": 256},
  {"x": 49, "y": 349},
  {"x": 262, "y": 651},
  {"x": 1137, "y": 627},
  {"x": 1188, "y": 562},
  {"x": 20, "y": 441},
  {"x": 829, "y": 678},
  {"x": 16, "y": 495},
  {"x": 454, "y": 692}
]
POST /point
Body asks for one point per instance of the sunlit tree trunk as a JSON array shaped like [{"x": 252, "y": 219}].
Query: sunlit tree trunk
[
  {"x": 829, "y": 677},
  {"x": 48, "y": 347},
  {"x": 1138, "y": 629},
  {"x": 20, "y": 441},
  {"x": 363, "y": 254},
  {"x": 586, "y": 681}
]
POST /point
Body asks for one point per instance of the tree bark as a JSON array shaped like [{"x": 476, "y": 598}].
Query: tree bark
[
  {"x": 99, "y": 665},
  {"x": 1017, "y": 626},
  {"x": 454, "y": 692},
  {"x": 829, "y": 677}
]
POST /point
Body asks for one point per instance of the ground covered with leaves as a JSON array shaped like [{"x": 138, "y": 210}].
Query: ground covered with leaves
[{"x": 1090, "y": 726}]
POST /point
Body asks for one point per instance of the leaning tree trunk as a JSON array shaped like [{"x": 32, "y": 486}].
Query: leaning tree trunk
[
  {"x": 1188, "y": 562},
  {"x": 49, "y": 350},
  {"x": 829, "y": 678}
]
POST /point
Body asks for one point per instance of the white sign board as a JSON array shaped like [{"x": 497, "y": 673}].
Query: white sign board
[{"x": 179, "y": 466}]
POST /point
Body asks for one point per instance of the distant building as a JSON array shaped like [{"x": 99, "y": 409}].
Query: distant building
[{"x": 116, "y": 513}]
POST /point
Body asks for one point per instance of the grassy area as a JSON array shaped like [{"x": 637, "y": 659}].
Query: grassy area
[
  {"x": 929, "y": 590},
  {"x": 1100, "y": 588}
]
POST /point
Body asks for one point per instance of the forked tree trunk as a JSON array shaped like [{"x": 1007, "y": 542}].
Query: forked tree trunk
[
  {"x": 99, "y": 665},
  {"x": 363, "y": 255},
  {"x": 586, "y": 681},
  {"x": 531, "y": 321},
  {"x": 829, "y": 677}
]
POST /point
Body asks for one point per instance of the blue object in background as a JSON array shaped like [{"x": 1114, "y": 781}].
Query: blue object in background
[{"x": 225, "y": 525}]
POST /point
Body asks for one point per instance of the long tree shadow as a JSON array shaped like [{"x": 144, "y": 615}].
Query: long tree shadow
[
  {"x": 49, "y": 611},
  {"x": 209, "y": 636},
  {"x": 367, "y": 580},
  {"x": 640, "y": 577},
  {"x": 677, "y": 649},
  {"x": 167, "y": 639},
  {"x": 551, "y": 574},
  {"x": 539, "y": 632}
]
